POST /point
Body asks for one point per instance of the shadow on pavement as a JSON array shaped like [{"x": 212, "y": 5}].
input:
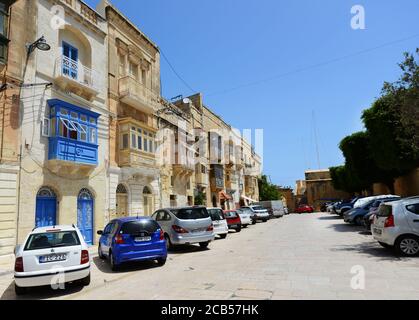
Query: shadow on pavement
[
  {"x": 346, "y": 227},
  {"x": 331, "y": 217},
  {"x": 40, "y": 293},
  {"x": 104, "y": 266},
  {"x": 372, "y": 249}
]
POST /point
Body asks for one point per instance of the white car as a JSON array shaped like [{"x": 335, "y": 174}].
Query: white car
[
  {"x": 219, "y": 222},
  {"x": 397, "y": 225},
  {"x": 259, "y": 213},
  {"x": 245, "y": 216},
  {"x": 51, "y": 256}
]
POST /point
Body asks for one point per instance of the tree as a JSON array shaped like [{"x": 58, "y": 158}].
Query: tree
[
  {"x": 393, "y": 122},
  {"x": 268, "y": 191},
  {"x": 200, "y": 199},
  {"x": 342, "y": 180}
]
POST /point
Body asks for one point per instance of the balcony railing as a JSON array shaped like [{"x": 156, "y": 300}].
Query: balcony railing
[
  {"x": 137, "y": 95},
  {"x": 72, "y": 74},
  {"x": 136, "y": 158}
]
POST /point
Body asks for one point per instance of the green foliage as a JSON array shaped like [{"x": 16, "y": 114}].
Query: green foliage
[
  {"x": 268, "y": 191},
  {"x": 200, "y": 199},
  {"x": 389, "y": 147}
]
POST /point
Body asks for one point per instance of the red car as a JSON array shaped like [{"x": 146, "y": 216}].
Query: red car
[
  {"x": 233, "y": 220},
  {"x": 304, "y": 208}
]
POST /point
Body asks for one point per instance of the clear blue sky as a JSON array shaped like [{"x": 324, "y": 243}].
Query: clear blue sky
[{"x": 216, "y": 45}]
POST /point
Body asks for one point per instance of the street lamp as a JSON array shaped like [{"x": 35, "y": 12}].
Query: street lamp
[{"x": 40, "y": 44}]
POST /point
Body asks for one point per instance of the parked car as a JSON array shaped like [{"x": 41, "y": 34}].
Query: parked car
[
  {"x": 397, "y": 225},
  {"x": 362, "y": 208},
  {"x": 49, "y": 250},
  {"x": 132, "y": 239},
  {"x": 345, "y": 205},
  {"x": 259, "y": 213},
  {"x": 186, "y": 225},
  {"x": 369, "y": 217},
  {"x": 304, "y": 208},
  {"x": 219, "y": 222},
  {"x": 245, "y": 216},
  {"x": 275, "y": 208},
  {"x": 233, "y": 220}
]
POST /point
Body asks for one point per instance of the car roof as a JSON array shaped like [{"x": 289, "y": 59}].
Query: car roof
[
  {"x": 212, "y": 208},
  {"x": 56, "y": 228},
  {"x": 129, "y": 219},
  {"x": 179, "y": 208}
]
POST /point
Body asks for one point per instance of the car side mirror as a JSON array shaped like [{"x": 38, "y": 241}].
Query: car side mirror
[
  {"x": 17, "y": 248},
  {"x": 100, "y": 232}
]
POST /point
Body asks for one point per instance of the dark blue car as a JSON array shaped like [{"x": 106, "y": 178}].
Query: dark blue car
[{"x": 132, "y": 239}]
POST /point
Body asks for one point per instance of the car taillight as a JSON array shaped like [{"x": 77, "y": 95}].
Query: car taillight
[
  {"x": 84, "y": 257},
  {"x": 178, "y": 229},
  {"x": 119, "y": 239},
  {"x": 210, "y": 228},
  {"x": 19, "y": 265},
  {"x": 161, "y": 234},
  {"x": 389, "y": 222}
]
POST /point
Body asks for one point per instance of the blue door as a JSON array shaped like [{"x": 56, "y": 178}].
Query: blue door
[
  {"x": 70, "y": 61},
  {"x": 46, "y": 208},
  {"x": 85, "y": 215}
]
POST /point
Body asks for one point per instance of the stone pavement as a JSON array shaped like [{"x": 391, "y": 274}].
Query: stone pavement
[{"x": 296, "y": 257}]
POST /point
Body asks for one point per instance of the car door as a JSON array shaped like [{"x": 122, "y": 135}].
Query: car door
[
  {"x": 106, "y": 239},
  {"x": 412, "y": 214},
  {"x": 163, "y": 219}
]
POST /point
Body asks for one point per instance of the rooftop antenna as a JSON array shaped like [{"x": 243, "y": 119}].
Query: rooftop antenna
[{"x": 316, "y": 140}]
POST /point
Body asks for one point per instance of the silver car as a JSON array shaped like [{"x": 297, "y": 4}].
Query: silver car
[
  {"x": 259, "y": 213},
  {"x": 187, "y": 225}
]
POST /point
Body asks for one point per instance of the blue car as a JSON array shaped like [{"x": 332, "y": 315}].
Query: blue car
[{"x": 132, "y": 239}]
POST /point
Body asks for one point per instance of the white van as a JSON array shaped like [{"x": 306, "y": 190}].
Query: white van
[{"x": 276, "y": 208}]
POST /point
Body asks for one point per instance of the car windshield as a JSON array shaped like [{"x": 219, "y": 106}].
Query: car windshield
[
  {"x": 385, "y": 211},
  {"x": 258, "y": 208},
  {"x": 231, "y": 214},
  {"x": 191, "y": 213},
  {"x": 140, "y": 226},
  {"x": 245, "y": 211},
  {"x": 216, "y": 214},
  {"x": 48, "y": 240}
]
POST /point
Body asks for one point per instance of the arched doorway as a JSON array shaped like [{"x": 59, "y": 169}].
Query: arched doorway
[
  {"x": 85, "y": 204},
  {"x": 148, "y": 203},
  {"x": 121, "y": 201},
  {"x": 46, "y": 208}
]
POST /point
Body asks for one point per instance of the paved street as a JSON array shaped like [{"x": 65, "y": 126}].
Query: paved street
[{"x": 296, "y": 257}]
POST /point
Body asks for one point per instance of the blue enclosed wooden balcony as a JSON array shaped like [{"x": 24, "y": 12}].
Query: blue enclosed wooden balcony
[{"x": 73, "y": 141}]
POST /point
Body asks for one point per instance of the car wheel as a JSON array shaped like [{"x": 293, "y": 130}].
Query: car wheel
[
  {"x": 161, "y": 261},
  {"x": 384, "y": 245},
  {"x": 169, "y": 245},
  {"x": 239, "y": 229},
  {"x": 245, "y": 226},
  {"x": 264, "y": 220},
  {"x": 85, "y": 281},
  {"x": 407, "y": 246},
  {"x": 358, "y": 221},
  {"x": 114, "y": 266},
  {"x": 204, "y": 245},
  {"x": 253, "y": 221},
  {"x": 223, "y": 236},
  {"x": 100, "y": 253},
  {"x": 20, "y": 290}
]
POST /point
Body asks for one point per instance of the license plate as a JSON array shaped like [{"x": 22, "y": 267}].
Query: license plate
[
  {"x": 198, "y": 230},
  {"x": 378, "y": 231},
  {"x": 52, "y": 258},
  {"x": 142, "y": 239}
]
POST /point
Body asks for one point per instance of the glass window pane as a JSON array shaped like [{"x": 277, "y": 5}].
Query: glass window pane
[
  {"x": 83, "y": 133},
  {"x": 139, "y": 130},
  {"x": 63, "y": 111},
  {"x": 150, "y": 146},
  {"x": 74, "y": 115},
  {"x": 53, "y": 126},
  {"x": 92, "y": 120},
  {"x": 125, "y": 138},
  {"x": 133, "y": 141},
  {"x": 145, "y": 145},
  {"x": 83, "y": 118},
  {"x": 140, "y": 142}
]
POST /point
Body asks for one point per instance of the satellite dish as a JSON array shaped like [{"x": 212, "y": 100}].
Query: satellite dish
[{"x": 187, "y": 101}]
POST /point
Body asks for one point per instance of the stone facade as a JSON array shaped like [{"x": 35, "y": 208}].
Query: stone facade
[
  {"x": 319, "y": 188},
  {"x": 86, "y": 136},
  {"x": 71, "y": 78}
]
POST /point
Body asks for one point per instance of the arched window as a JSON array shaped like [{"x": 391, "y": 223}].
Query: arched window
[
  {"x": 147, "y": 191},
  {"x": 46, "y": 192},
  {"x": 121, "y": 189},
  {"x": 85, "y": 194}
]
